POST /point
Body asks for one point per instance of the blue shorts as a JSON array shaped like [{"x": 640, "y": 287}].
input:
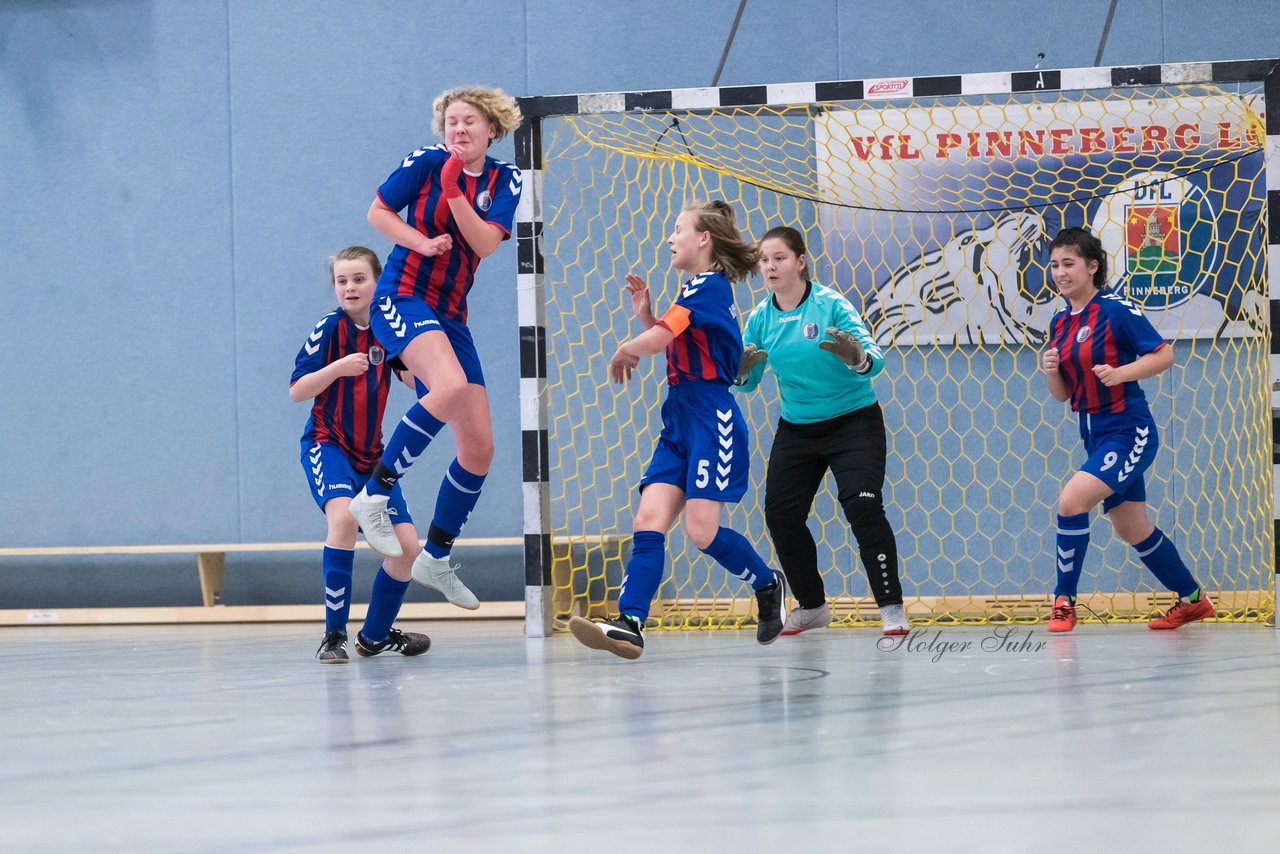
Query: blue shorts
[
  {"x": 398, "y": 320},
  {"x": 330, "y": 475},
  {"x": 704, "y": 447},
  {"x": 1119, "y": 454}
]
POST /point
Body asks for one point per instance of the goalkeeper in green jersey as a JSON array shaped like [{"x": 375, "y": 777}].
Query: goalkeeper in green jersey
[{"x": 823, "y": 357}]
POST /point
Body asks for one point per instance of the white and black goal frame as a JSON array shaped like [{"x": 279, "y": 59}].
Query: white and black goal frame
[{"x": 529, "y": 223}]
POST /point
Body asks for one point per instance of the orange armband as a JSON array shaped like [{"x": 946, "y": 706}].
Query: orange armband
[{"x": 676, "y": 319}]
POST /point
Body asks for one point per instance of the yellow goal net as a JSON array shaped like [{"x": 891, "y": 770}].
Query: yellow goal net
[{"x": 933, "y": 214}]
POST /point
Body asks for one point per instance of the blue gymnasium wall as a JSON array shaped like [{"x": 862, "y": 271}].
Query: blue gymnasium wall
[{"x": 173, "y": 176}]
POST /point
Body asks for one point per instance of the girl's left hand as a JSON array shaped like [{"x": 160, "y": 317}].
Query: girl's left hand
[
  {"x": 432, "y": 246},
  {"x": 1108, "y": 375},
  {"x": 845, "y": 347},
  {"x": 621, "y": 366}
]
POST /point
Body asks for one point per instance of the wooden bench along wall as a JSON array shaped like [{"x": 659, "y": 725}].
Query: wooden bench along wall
[{"x": 211, "y": 563}]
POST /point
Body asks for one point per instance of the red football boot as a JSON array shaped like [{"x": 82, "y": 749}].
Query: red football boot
[
  {"x": 1063, "y": 616},
  {"x": 1184, "y": 612}
]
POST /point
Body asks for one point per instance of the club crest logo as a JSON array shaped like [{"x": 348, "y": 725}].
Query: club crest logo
[
  {"x": 810, "y": 331},
  {"x": 1083, "y": 335},
  {"x": 483, "y": 200},
  {"x": 1158, "y": 230},
  {"x": 376, "y": 355}
]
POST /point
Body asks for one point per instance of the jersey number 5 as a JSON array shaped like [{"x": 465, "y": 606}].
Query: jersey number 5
[{"x": 704, "y": 474}]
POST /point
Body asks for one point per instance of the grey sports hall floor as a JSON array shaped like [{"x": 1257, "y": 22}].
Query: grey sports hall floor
[{"x": 231, "y": 738}]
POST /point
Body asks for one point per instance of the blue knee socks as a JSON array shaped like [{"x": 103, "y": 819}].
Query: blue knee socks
[
  {"x": 335, "y": 564},
  {"x": 410, "y": 438},
  {"x": 1072, "y": 543},
  {"x": 1161, "y": 557},
  {"x": 644, "y": 574},
  {"x": 384, "y": 605},
  {"x": 459, "y": 492},
  {"x": 732, "y": 551}
]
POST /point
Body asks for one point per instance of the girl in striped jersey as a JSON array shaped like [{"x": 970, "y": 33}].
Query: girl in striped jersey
[
  {"x": 344, "y": 369},
  {"x": 459, "y": 204},
  {"x": 830, "y": 420},
  {"x": 1099, "y": 347},
  {"x": 701, "y": 459}
]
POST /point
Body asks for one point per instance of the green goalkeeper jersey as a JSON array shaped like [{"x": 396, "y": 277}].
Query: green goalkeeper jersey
[{"x": 813, "y": 383}]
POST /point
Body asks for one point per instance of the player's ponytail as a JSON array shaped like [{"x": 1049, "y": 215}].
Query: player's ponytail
[
  {"x": 736, "y": 258},
  {"x": 1087, "y": 247}
]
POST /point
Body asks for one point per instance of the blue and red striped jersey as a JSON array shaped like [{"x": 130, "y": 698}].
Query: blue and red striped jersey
[
  {"x": 708, "y": 342},
  {"x": 443, "y": 280},
  {"x": 1109, "y": 330},
  {"x": 349, "y": 412}
]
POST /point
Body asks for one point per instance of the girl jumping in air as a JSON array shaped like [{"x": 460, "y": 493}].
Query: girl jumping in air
[{"x": 459, "y": 204}]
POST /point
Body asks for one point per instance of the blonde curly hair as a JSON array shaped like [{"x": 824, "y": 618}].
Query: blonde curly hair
[{"x": 498, "y": 107}]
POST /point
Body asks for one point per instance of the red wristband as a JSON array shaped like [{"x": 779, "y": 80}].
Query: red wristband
[{"x": 449, "y": 175}]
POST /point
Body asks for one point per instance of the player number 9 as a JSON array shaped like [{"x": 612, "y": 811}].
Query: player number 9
[{"x": 1109, "y": 460}]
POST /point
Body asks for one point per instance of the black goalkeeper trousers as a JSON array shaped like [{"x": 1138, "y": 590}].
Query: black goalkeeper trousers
[{"x": 852, "y": 447}]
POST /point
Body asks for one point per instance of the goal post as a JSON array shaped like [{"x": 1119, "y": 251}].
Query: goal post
[{"x": 929, "y": 202}]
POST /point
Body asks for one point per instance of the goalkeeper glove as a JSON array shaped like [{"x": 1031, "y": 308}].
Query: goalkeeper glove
[
  {"x": 750, "y": 358},
  {"x": 846, "y": 348}
]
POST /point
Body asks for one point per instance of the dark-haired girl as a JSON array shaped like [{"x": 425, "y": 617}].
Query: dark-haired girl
[
  {"x": 1100, "y": 346},
  {"x": 823, "y": 357}
]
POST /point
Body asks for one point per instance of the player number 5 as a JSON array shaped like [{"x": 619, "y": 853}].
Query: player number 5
[{"x": 704, "y": 475}]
